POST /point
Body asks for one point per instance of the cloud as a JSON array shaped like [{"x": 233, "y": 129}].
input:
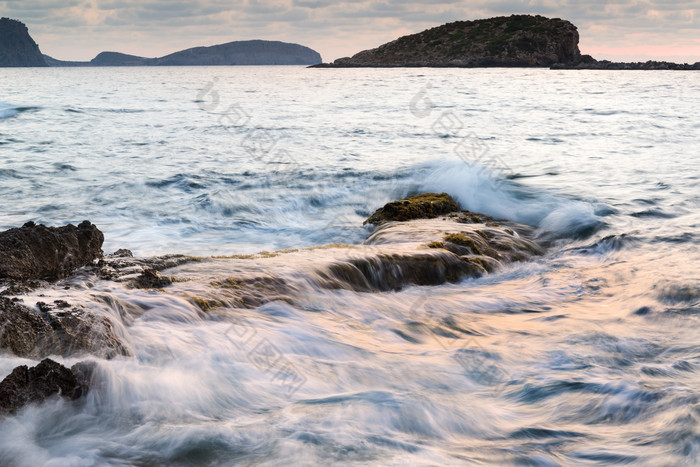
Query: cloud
[{"x": 79, "y": 29}]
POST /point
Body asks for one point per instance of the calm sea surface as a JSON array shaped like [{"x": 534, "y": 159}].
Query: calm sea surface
[{"x": 589, "y": 355}]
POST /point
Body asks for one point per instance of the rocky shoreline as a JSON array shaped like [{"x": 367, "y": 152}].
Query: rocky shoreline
[
  {"x": 488, "y": 63},
  {"x": 55, "y": 283},
  {"x": 608, "y": 65}
]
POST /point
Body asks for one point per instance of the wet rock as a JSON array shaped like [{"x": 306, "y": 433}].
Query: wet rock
[
  {"x": 249, "y": 292},
  {"x": 385, "y": 272},
  {"x": 56, "y": 330},
  {"x": 20, "y": 288},
  {"x": 423, "y": 206},
  {"x": 35, "y": 385},
  {"x": 431, "y": 252},
  {"x": 125, "y": 268},
  {"x": 39, "y": 252},
  {"x": 80, "y": 331},
  {"x": 151, "y": 279},
  {"x": 22, "y": 331},
  {"x": 123, "y": 253},
  {"x": 421, "y": 240},
  {"x": 84, "y": 373},
  {"x": 421, "y": 251}
]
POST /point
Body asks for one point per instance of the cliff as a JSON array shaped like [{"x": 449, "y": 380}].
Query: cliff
[
  {"x": 17, "y": 48},
  {"x": 516, "y": 40}
]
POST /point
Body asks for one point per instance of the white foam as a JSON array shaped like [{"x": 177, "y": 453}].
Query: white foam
[{"x": 480, "y": 189}]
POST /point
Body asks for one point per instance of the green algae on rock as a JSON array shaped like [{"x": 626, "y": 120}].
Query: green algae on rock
[{"x": 423, "y": 206}]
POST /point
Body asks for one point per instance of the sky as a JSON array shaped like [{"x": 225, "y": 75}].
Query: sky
[{"x": 628, "y": 30}]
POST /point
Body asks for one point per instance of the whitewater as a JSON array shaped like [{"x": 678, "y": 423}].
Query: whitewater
[{"x": 586, "y": 355}]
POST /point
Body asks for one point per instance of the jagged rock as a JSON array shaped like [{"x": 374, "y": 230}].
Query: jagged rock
[
  {"x": 22, "y": 288},
  {"x": 516, "y": 40},
  {"x": 22, "y": 331},
  {"x": 84, "y": 373},
  {"x": 151, "y": 279},
  {"x": 140, "y": 272},
  {"x": 17, "y": 48},
  {"x": 56, "y": 330},
  {"x": 35, "y": 385},
  {"x": 39, "y": 252},
  {"x": 122, "y": 253},
  {"x": 80, "y": 331}
]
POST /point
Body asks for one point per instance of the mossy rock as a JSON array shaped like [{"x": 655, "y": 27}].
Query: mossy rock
[
  {"x": 423, "y": 206},
  {"x": 463, "y": 240}
]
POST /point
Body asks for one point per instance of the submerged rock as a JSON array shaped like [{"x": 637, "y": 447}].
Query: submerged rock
[
  {"x": 39, "y": 252},
  {"x": 35, "y": 385},
  {"x": 420, "y": 240}
]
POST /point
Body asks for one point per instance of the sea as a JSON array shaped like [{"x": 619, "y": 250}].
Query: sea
[{"x": 587, "y": 355}]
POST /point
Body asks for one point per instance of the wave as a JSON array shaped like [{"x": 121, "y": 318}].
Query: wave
[
  {"x": 608, "y": 244},
  {"x": 480, "y": 189},
  {"x": 302, "y": 206},
  {"x": 8, "y": 110}
]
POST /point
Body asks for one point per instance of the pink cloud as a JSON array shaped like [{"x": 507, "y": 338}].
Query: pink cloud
[{"x": 685, "y": 53}]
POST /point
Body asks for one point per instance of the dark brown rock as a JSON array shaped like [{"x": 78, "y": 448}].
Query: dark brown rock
[
  {"x": 123, "y": 253},
  {"x": 39, "y": 252},
  {"x": 35, "y": 385},
  {"x": 22, "y": 331},
  {"x": 151, "y": 279}
]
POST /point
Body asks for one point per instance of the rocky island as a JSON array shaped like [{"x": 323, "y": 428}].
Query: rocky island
[
  {"x": 18, "y": 49},
  {"x": 504, "y": 41},
  {"x": 254, "y": 52},
  {"x": 513, "y": 41}
]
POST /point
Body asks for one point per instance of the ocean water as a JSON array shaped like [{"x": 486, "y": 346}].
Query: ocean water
[{"x": 589, "y": 355}]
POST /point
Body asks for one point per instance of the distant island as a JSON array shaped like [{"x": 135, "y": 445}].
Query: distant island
[
  {"x": 504, "y": 41},
  {"x": 255, "y": 52},
  {"x": 18, "y": 49}
]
